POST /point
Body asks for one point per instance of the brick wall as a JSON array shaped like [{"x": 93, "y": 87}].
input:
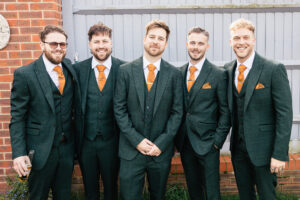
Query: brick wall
[{"x": 25, "y": 18}]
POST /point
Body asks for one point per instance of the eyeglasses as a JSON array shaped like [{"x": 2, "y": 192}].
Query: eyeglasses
[{"x": 54, "y": 45}]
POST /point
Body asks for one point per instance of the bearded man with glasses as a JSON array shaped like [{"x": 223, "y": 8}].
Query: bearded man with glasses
[{"x": 42, "y": 99}]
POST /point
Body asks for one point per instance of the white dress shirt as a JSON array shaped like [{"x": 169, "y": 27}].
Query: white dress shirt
[
  {"x": 107, "y": 63},
  {"x": 199, "y": 66},
  {"x": 49, "y": 67},
  {"x": 145, "y": 67},
  {"x": 248, "y": 63}
]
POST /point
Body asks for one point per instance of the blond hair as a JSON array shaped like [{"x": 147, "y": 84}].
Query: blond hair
[
  {"x": 156, "y": 23},
  {"x": 242, "y": 23}
]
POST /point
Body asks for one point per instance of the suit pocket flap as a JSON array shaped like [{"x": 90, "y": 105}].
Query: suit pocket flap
[
  {"x": 33, "y": 131},
  {"x": 33, "y": 125},
  {"x": 266, "y": 127}
]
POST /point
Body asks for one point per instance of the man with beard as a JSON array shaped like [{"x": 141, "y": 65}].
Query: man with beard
[
  {"x": 260, "y": 104},
  {"x": 42, "y": 99},
  {"x": 148, "y": 108},
  {"x": 98, "y": 139},
  {"x": 206, "y": 120}
]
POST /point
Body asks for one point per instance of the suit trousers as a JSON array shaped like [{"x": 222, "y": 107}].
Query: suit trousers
[
  {"x": 56, "y": 174},
  {"x": 202, "y": 172},
  {"x": 247, "y": 176},
  {"x": 132, "y": 176},
  {"x": 100, "y": 157}
]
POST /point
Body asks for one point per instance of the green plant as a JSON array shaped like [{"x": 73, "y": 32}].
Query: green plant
[{"x": 16, "y": 189}]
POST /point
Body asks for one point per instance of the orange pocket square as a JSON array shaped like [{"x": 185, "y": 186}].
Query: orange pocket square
[
  {"x": 206, "y": 86},
  {"x": 259, "y": 86}
]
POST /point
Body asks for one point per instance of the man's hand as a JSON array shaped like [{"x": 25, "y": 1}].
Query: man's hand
[
  {"x": 155, "y": 151},
  {"x": 21, "y": 165},
  {"x": 276, "y": 166},
  {"x": 144, "y": 146}
]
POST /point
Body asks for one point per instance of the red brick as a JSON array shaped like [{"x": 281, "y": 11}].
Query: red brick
[
  {"x": 18, "y": 22},
  {"x": 5, "y": 163},
  {"x": 8, "y": 1},
  {"x": 4, "y": 117},
  {"x": 44, "y": 22},
  {"x": 4, "y": 86},
  {"x": 3, "y": 55},
  {"x": 35, "y": 38},
  {"x": 16, "y": 6},
  {"x": 4, "y": 94},
  {"x": 31, "y": 14},
  {"x": 30, "y": 46},
  {"x": 1, "y": 171},
  {"x": 14, "y": 31},
  {"x": 29, "y": 0},
  {"x": 52, "y": 14},
  {"x": 1, "y": 6},
  {"x": 4, "y": 70},
  {"x": 5, "y": 110},
  {"x": 43, "y": 6},
  {"x": 37, "y": 54},
  {"x": 27, "y": 61},
  {"x": 20, "y": 54},
  {"x": 9, "y": 63},
  {"x": 1, "y": 157},
  {"x": 7, "y": 156},
  {"x": 9, "y": 171},
  {"x": 12, "y": 46},
  {"x": 30, "y": 30},
  {"x": 4, "y": 102},
  {"x": 10, "y": 15},
  {"x": 20, "y": 38}
]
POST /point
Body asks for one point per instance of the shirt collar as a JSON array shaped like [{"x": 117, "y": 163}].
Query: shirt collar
[
  {"x": 199, "y": 64},
  {"x": 107, "y": 63},
  {"x": 156, "y": 64},
  {"x": 49, "y": 65},
  {"x": 249, "y": 62}
]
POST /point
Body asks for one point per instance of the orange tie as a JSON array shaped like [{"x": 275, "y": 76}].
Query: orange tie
[
  {"x": 101, "y": 77},
  {"x": 61, "y": 78},
  {"x": 241, "y": 78},
  {"x": 151, "y": 76},
  {"x": 191, "y": 79}
]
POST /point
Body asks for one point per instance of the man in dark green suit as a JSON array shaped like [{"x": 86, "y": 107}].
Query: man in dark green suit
[
  {"x": 260, "y": 103},
  {"x": 206, "y": 119},
  {"x": 97, "y": 142},
  {"x": 42, "y": 99},
  {"x": 148, "y": 107}
]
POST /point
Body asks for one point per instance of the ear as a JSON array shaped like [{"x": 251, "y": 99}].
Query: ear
[{"x": 186, "y": 44}]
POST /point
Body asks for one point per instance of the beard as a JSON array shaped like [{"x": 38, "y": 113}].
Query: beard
[
  {"x": 154, "y": 54},
  {"x": 55, "y": 59},
  {"x": 195, "y": 58},
  {"x": 101, "y": 58}
]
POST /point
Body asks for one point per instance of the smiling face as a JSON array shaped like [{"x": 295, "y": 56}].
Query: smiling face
[
  {"x": 101, "y": 46},
  {"x": 242, "y": 42},
  {"x": 54, "y": 55},
  {"x": 155, "y": 42},
  {"x": 197, "y": 45}
]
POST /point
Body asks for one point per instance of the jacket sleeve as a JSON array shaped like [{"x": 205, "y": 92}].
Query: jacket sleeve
[{"x": 19, "y": 106}]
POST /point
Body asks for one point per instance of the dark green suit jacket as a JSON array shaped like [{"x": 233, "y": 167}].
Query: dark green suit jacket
[
  {"x": 33, "y": 118},
  {"x": 206, "y": 117},
  {"x": 83, "y": 70},
  {"x": 129, "y": 108},
  {"x": 267, "y": 111}
]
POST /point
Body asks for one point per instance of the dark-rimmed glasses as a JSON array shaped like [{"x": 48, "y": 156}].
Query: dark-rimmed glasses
[{"x": 54, "y": 45}]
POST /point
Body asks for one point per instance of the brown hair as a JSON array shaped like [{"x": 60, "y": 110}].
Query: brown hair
[
  {"x": 51, "y": 29},
  {"x": 99, "y": 28},
  {"x": 242, "y": 23},
  {"x": 158, "y": 24},
  {"x": 198, "y": 29}
]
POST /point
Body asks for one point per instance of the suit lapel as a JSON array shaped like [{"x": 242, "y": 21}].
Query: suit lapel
[
  {"x": 139, "y": 79},
  {"x": 161, "y": 84},
  {"x": 253, "y": 77},
  {"x": 184, "y": 69},
  {"x": 43, "y": 78},
  {"x": 206, "y": 68},
  {"x": 85, "y": 74},
  {"x": 231, "y": 70}
]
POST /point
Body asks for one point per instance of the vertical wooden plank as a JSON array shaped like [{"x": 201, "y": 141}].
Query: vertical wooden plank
[
  {"x": 218, "y": 37},
  {"x": 181, "y": 35},
  {"x": 172, "y": 40},
  {"x": 295, "y": 132},
  {"x": 279, "y": 39},
  {"x": 165, "y": 17},
  {"x": 296, "y": 34},
  {"x": 138, "y": 36},
  {"x": 234, "y": 16},
  {"x": 81, "y": 38},
  {"x": 128, "y": 43},
  {"x": 119, "y": 36},
  {"x": 200, "y": 19},
  {"x": 261, "y": 34},
  {"x": 209, "y": 26},
  {"x": 295, "y": 91},
  {"x": 226, "y": 37},
  {"x": 288, "y": 36},
  {"x": 252, "y": 18},
  {"x": 68, "y": 24},
  {"x": 270, "y": 28}
]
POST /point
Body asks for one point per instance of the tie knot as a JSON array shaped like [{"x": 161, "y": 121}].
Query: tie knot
[
  {"x": 193, "y": 69},
  {"x": 57, "y": 69},
  {"x": 101, "y": 68},
  {"x": 151, "y": 67},
  {"x": 242, "y": 68}
]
